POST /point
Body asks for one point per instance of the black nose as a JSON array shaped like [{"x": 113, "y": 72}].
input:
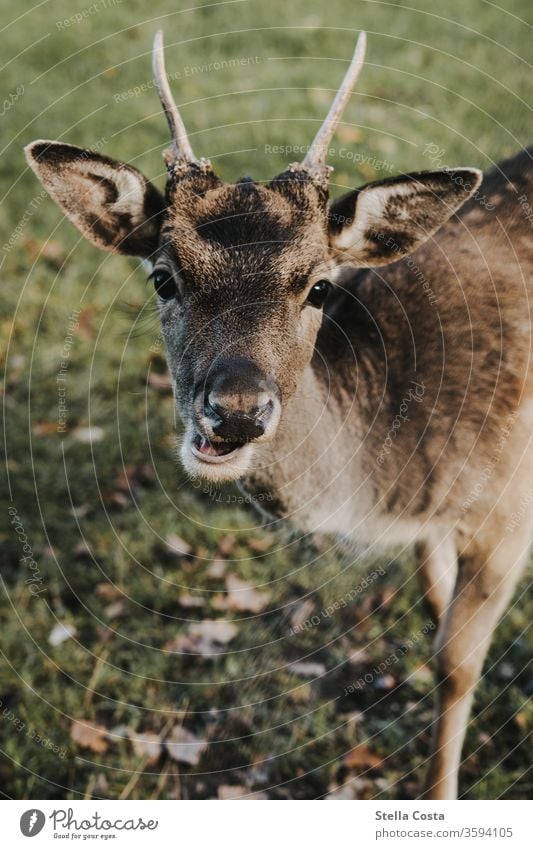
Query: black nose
[{"x": 239, "y": 400}]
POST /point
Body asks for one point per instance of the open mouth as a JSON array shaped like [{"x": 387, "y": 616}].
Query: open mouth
[{"x": 214, "y": 452}]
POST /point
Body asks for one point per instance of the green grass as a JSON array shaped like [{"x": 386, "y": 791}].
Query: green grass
[{"x": 445, "y": 75}]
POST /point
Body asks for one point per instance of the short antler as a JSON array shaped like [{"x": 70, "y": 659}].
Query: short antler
[
  {"x": 181, "y": 152},
  {"x": 315, "y": 160}
]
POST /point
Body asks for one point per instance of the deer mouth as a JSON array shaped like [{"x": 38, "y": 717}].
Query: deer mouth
[{"x": 214, "y": 452}]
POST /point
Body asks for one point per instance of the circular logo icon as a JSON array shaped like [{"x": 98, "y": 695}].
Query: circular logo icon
[{"x": 32, "y": 822}]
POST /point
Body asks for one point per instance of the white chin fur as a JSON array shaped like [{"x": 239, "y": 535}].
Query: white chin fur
[{"x": 231, "y": 469}]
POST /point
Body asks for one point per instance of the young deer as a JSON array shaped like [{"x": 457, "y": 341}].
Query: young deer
[{"x": 362, "y": 363}]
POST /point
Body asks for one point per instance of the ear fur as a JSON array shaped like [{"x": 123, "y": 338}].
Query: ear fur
[
  {"x": 389, "y": 219},
  {"x": 111, "y": 203}
]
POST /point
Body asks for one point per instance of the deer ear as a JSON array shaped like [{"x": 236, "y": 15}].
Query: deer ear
[
  {"x": 111, "y": 203},
  {"x": 387, "y": 220}
]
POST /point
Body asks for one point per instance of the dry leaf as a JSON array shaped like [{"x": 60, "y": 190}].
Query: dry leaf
[
  {"x": 308, "y": 670},
  {"x": 177, "y": 545},
  {"x": 218, "y": 568},
  {"x": 204, "y": 638},
  {"x": 261, "y": 544},
  {"x": 115, "y": 609},
  {"x": 361, "y": 756},
  {"x": 238, "y": 791},
  {"x": 108, "y": 591},
  {"x": 185, "y": 747},
  {"x": 226, "y": 544},
  {"x": 147, "y": 745},
  {"x": 215, "y": 630},
  {"x": 88, "y": 735},
  {"x": 187, "y": 600},
  {"x": 44, "y": 428},
  {"x": 88, "y": 435},
  {"x": 302, "y": 613},
  {"x": 60, "y": 633},
  {"x": 242, "y": 596}
]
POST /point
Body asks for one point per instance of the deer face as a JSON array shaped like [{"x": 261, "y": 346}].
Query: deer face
[{"x": 241, "y": 271}]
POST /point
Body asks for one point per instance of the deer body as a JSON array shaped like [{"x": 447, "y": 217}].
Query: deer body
[
  {"x": 407, "y": 385},
  {"x": 366, "y": 362}
]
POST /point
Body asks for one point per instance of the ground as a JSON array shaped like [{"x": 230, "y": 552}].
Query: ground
[{"x": 134, "y": 663}]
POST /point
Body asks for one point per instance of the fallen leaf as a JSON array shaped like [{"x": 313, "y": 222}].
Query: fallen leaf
[
  {"x": 88, "y": 735},
  {"x": 80, "y": 510},
  {"x": 215, "y": 630},
  {"x": 218, "y": 568},
  {"x": 261, "y": 544},
  {"x": 302, "y": 613},
  {"x": 114, "y": 610},
  {"x": 226, "y": 544},
  {"x": 108, "y": 591},
  {"x": 242, "y": 596},
  {"x": 88, "y": 435},
  {"x": 346, "y": 792},
  {"x": 147, "y": 745},
  {"x": 60, "y": 633},
  {"x": 361, "y": 756},
  {"x": 308, "y": 670},
  {"x": 44, "y": 428},
  {"x": 185, "y": 747},
  {"x": 187, "y": 600},
  {"x": 177, "y": 545},
  {"x": 239, "y": 791},
  {"x": 204, "y": 638}
]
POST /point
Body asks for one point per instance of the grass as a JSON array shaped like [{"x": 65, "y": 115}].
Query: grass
[{"x": 96, "y": 516}]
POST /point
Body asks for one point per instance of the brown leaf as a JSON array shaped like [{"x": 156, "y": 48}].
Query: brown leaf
[
  {"x": 185, "y": 747},
  {"x": 44, "y": 428},
  {"x": 242, "y": 596},
  {"x": 261, "y": 544},
  {"x": 361, "y": 756},
  {"x": 115, "y": 609},
  {"x": 226, "y": 544},
  {"x": 88, "y": 735},
  {"x": 177, "y": 545},
  {"x": 218, "y": 568},
  {"x": 147, "y": 745},
  {"x": 108, "y": 591},
  {"x": 204, "y": 638},
  {"x": 301, "y": 613}
]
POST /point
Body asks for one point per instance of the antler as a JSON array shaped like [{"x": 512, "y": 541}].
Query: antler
[
  {"x": 181, "y": 152},
  {"x": 315, "y": 159}
]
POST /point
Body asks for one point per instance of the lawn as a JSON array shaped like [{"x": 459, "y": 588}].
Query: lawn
[{"x": 131, "y": 665}]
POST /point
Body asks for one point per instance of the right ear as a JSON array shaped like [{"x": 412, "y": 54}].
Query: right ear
[{"x": 110, "y": 202}]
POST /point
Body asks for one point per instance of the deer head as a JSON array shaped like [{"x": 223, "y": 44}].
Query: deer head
[{"x": 241, "y": 271}]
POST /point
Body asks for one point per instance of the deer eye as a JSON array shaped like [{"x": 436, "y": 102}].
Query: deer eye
[
  {"x": 164, "y": 283},
  {"x": 318, "y": 293}
]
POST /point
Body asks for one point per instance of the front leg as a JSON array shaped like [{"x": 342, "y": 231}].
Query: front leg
[{"x": 487, "y": 575}]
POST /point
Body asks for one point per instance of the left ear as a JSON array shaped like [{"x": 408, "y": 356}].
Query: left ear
[{"x": 387, "y": 220}]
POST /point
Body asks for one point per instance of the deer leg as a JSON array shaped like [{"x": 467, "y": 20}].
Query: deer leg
[
  {"x": 436, "y": 559},
  {"x": 485, "y": 582}
]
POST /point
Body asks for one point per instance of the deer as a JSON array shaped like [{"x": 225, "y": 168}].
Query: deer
[{"x": 364, "y": 360}]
